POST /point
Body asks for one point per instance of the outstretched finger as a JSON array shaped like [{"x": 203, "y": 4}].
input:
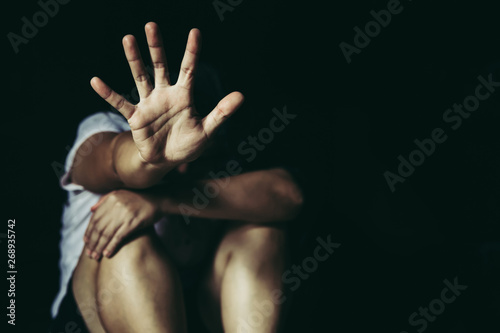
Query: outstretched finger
[
  {"x": 137, "y": 67},
  {"x": 188, "y": 65},
  {"x": 114, "y": 99},
  {"x": 157, "y": 53},
  {"x": 226, "y": 107}
]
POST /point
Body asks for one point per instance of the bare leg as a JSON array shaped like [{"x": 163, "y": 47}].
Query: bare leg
[
  {"x": 242, "y": 292},
  {"x": 137, "y": 290},
  {"x": 84, "y": 290}
]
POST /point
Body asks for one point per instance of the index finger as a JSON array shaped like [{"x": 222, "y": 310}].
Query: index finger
[
  {"x": 96, "y": 215},
  {"x": 188, "y": 65}
]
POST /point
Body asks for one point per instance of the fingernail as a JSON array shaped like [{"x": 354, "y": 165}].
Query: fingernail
[
  {"x": 106, "y": 253},
  {"x": 87, "y": 251},
  {"x": 95, "y": 255}
]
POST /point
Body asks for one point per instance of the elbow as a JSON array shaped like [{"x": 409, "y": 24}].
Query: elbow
[
  {"x": 295, "y": 201},
  {"x": 291, "y": 199},
  {"x": 284, "y": 200},
  {"x": 286, "y": 204}
]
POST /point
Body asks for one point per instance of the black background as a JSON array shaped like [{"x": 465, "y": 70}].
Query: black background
[{"x": 353, "y": 121}]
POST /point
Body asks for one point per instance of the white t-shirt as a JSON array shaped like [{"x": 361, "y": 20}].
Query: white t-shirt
[
  {"x": 186, "y": 244},
  {"x": 76, "y": 213}
]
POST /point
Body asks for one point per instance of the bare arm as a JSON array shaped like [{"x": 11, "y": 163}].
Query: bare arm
[
  {"x": 166, "y": 129},
  {"x": 113, "y": 163},
  {"x": 257, "y": 197}
]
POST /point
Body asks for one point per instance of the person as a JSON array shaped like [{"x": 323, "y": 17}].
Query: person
[{"x": 136, "y": 231}]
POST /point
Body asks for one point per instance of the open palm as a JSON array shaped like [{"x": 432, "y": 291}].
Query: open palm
[{"x": 165, "y": 125}]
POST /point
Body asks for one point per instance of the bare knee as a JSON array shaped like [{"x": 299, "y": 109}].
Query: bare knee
[
  {"x": 259, "y": 244},
  {"x": 131, "y": 260},
  {"x": 128, "y": 272},
  {"x": 123, "y": 265},
  {"x": 84, "y": 286},
  {"x": 249, "y": 248},
  {"x": 265, "y": 237},
  {"x": 135, "y": 249}
]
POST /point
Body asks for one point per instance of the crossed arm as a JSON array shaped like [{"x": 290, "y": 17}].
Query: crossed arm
[
  {"x": 166, "y": 131},
  {"x": 256, "y": 197}
]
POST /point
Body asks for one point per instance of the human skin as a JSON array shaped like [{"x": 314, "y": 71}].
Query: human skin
[
  {"x": 255, "y": 197},
  {"x": 166, "y": 132},
  {"x": 243, "y": 278}
]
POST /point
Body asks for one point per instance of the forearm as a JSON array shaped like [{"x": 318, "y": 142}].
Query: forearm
[
  {"x": 130, "y": 168},
  {"x": 260, "y": 196},
  {"x": 113, "y": 163}
]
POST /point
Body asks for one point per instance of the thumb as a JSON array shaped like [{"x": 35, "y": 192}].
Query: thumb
[{"x": 224, "y": 109}]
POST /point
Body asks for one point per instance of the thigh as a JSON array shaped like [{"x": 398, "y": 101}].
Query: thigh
[
  {"x": 137, "y": 289},
  {"x": 96, "y": 284},
  {"x": 83, "y": 286}
]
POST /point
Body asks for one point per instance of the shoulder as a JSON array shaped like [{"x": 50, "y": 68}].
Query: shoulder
[{"x": 103, "y": 122}]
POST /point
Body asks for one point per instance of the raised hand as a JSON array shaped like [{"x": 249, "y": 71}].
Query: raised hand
[{"x": 165, "y": 126}]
